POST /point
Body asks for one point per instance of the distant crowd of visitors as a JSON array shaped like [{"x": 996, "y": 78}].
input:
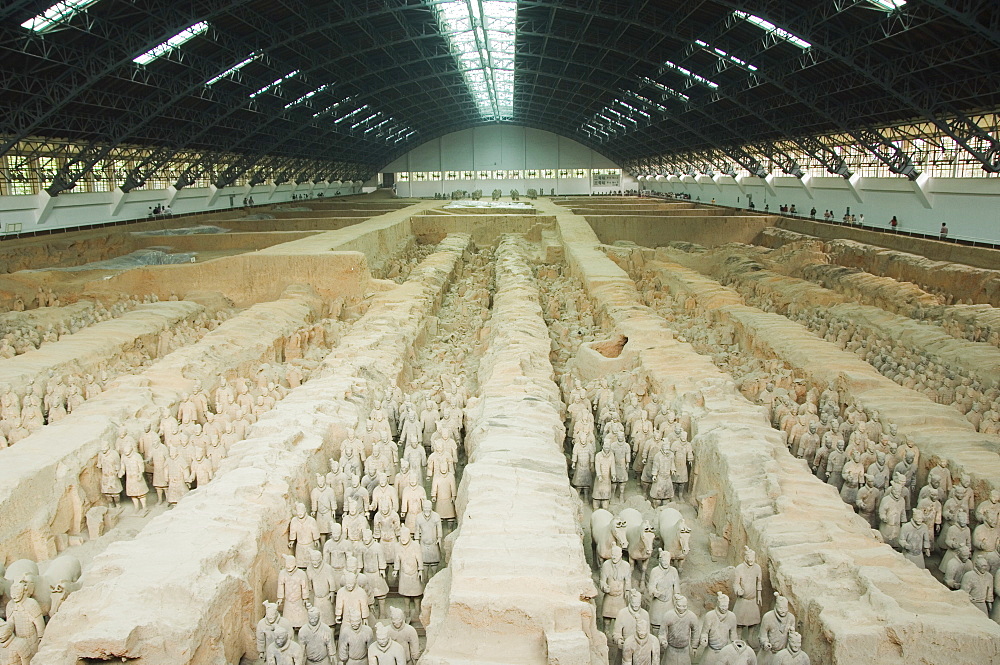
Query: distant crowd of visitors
[{"x": 159, "y": 210}]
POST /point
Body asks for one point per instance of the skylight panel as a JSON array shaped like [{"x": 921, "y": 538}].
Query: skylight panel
[
  {"x": 888, "y": 5},
  {"x": 273, "y": 84},
  {"x": 332, "y": 107},
  {"x": 772, "y": 29},
  {"x": 481, "y": 36},
  {"x": 374, "y": 127},
  {"x": 664, "y": 89},
  {"x": 649, "y": 102},
  {"x": 367, "y": 119},
  {"x": 691, "y": 75},
  {"x": 61, "y": 12},
  {"x": 235, "y": 68},
  {"x": 722, "y": 55},
  {"x": 171, "y": 44},
  {"x": 350, "y": 115},
  {"x": 633, "y": 109},
  {"x": 308, "y": 95}
]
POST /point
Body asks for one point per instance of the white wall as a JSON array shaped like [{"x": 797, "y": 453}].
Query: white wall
[
  {"x": 496, "y": 147},
  {"x": 970, "y": 206},
  {"x": 41, "y": 211}
]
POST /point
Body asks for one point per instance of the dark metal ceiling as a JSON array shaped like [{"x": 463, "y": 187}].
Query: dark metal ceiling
[{"x": 934, "y": 60}]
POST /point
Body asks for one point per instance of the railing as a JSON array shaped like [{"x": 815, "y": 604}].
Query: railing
[
  {"x": 148, "y": 218},
  {"x": 969, "y": 242}
]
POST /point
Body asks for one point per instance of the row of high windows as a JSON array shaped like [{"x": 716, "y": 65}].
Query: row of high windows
[
  {"x": 33, "y": 165},
  {"x": 517, "y": 174},
  {"x": 931, "y": 151}
]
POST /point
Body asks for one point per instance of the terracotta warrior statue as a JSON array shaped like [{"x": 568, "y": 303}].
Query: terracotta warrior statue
[
  {"x": 679, "y": 633},
  {"x": 747, "y": 584}
]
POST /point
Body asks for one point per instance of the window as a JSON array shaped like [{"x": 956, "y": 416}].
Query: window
[
  {"x": 61, "y": 12},
  {"x": 235, "y": 68},
  {"x": 403, "y": 177},
  {"x": 580, "y": 173},
  {"x": 722, "y": 55},
  {"x": 772, "y": 29},
  {"x": 171, "y": 44},
  {"x": 606, "y": 177},
  {"x": 309, "y": 95},
  {"x": 888, "y": 5},
  {"x": 688, "y": 74},
  {"x": 101, "y": 180},
  {"x": 274, "y": 83},
  {"x": 484, "y": 175},
  {"x": 20, "y": 180},
  {"x": 48, "y": 167},
  {"x": 468, "y": 175},
  {"x": 435, "y": 175},
  {"x": 481, "y": 38},
  {"x": 548, "y": 173},
  {"x": 451, "y": 175}
]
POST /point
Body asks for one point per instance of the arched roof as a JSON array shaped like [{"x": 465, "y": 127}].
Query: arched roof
[{"x": 631, "y": 79}]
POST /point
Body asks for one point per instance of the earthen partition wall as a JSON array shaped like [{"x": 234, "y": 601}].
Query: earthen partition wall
[{"x": 860, "y": 601}]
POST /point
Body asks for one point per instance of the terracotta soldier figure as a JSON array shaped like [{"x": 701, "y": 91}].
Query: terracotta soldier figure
[
  {"x": 679, "y": 633},
  {"x": 718, "y": 630},
  {"x": 293, "y": 592},
  {"x": 316, "y": 638},
  {"x": 267, "y": 627},
  {"x": 775, "y": 627},
  {"x": 747, "y": 585},
  {"x": 385, "y": 651}
]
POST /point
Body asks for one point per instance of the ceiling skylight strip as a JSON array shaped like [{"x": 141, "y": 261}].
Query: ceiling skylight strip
[
  {"x": 633, "y": 109},
  {"x": 273, "y": 84},
  {"x": 649, "y": 102},
  {"x": 59, "y": 13},
  {"x": 888, "y": 5},
  {"x": 772, "y": 29},
  {"x": 662, "y": 88},
  {"x": 350, "y": 115},
  {"x": 308, "y": 95},
  {"x": 332, "y": 107},
  {"x": 374, "y": 127},
  {"x": 235, "y": 68},
  {"x": 722, "y": 55},
  {"x": 481, "y": 36},
  {"x": 691, "y": 75},
  {"x": 368, "y": 119},
  {"x": 171, "y": 44}
]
